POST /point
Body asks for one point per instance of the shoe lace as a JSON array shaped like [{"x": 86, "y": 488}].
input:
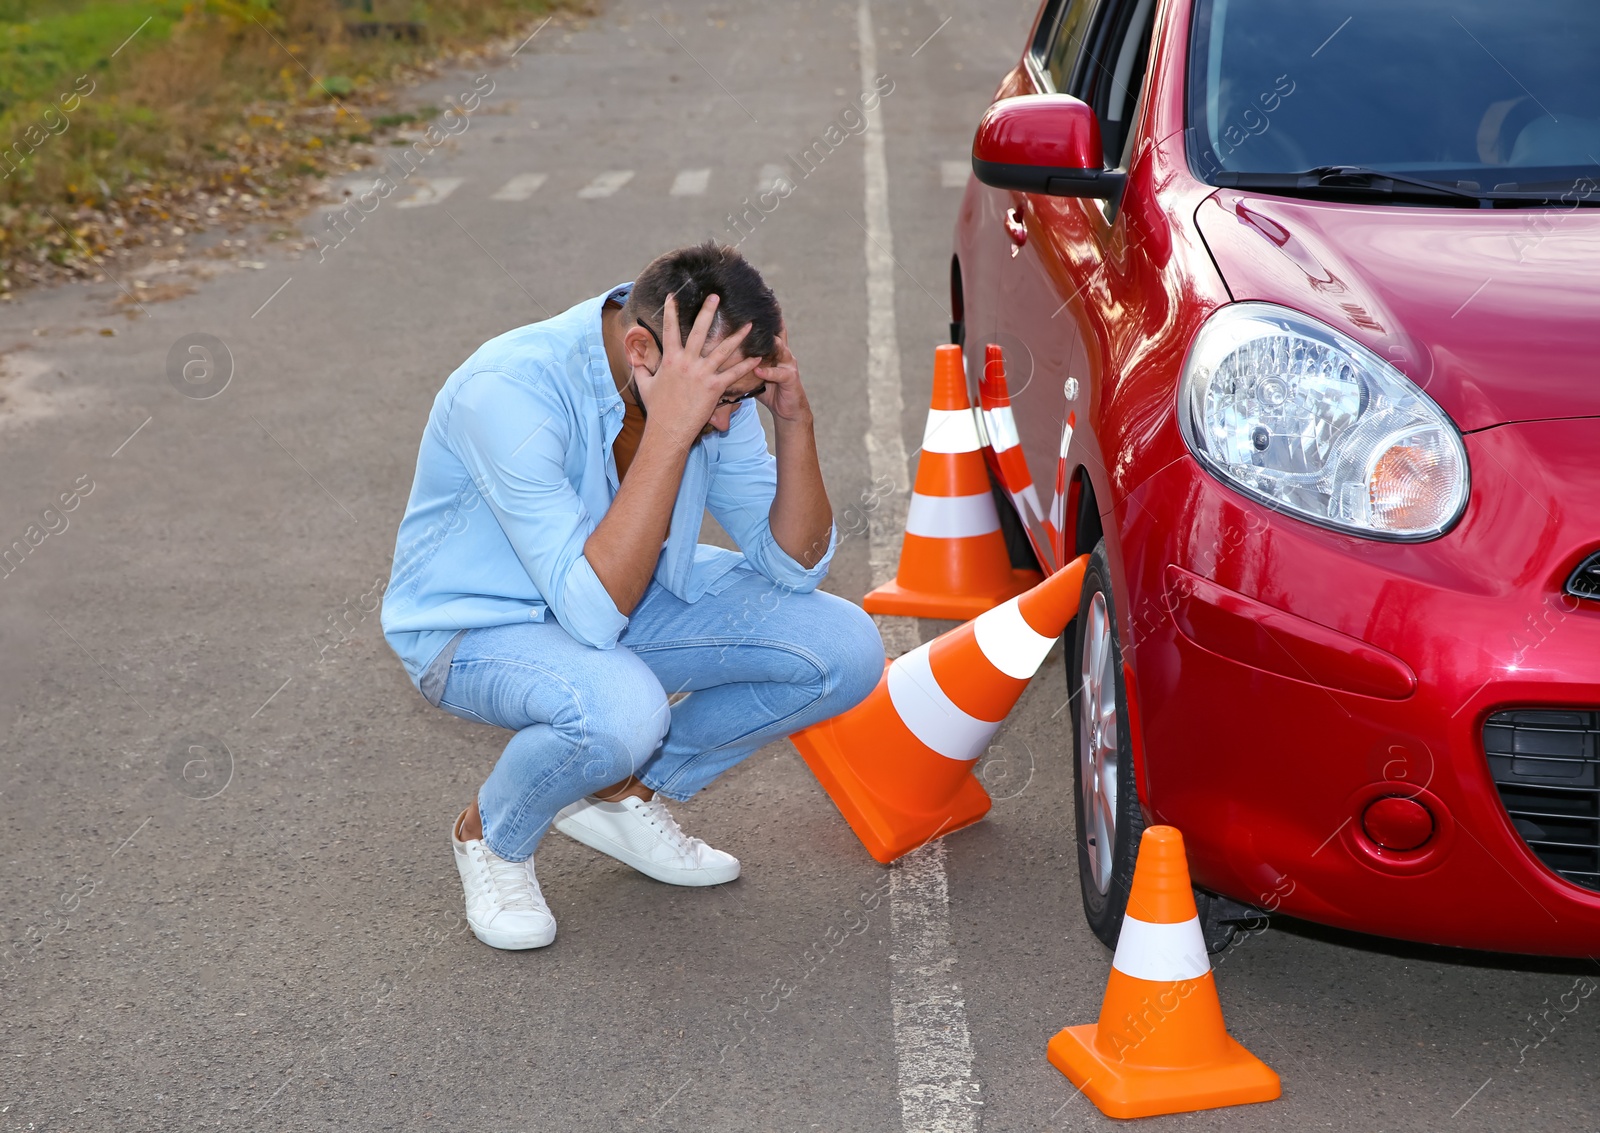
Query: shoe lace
[
  {"x": 657, "y": 814},
  {"x": 506, "y": 882}
]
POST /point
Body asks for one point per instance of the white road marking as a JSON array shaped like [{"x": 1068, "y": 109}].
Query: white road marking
[
  {"x": 431, "y": 192},
  {"x": 938, "y": 1090},
  {"x": 690, "y": 183},
  {"x": 886, "y": 448},
  {"x": 606, "y": 184},
  {"x": 938, "y": 1093},
  {"x": 520, "y": 187},
  {"x": 954, "y": 174},
  {"x": 772, "y": 177}
]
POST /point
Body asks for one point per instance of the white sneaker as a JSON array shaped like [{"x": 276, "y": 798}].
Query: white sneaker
[
  {"x": 646, "y": 836},
  {"x": 504, "y": 905}
]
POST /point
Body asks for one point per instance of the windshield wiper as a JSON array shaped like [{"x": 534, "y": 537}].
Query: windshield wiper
[
  {"x": 1357, "y": 178},
  {"x": 1380, "y": 182},
  {"x": 1580, "y": 192}
]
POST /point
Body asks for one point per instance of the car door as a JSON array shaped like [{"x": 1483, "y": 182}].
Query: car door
[
  {"x": 1061, "y": 293},
  {"x": 1041, "y": 342}
]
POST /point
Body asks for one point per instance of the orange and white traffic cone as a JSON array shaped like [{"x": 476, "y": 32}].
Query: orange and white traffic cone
[
  {"x": 899, "y": 764},
  {"x": 1160, "y": 1045},
  {"x": 953, "y": 563},
  {"x": 1000, "y": 430}
]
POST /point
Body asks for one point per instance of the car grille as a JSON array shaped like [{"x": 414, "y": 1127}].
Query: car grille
[
  {"x": 1585, "y": 581},
  {"x": 1547, "y": 766}
]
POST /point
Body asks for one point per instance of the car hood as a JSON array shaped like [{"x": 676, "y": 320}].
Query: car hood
[{"x": 1494, "y": 313}]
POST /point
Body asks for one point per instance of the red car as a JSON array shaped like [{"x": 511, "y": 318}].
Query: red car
[{"x": 1299, "y": 311}]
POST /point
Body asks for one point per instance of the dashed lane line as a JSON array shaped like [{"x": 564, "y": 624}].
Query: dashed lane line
[
  {"x": 690, "y": 183},
  {"x": 605, "y": 184},
  {"x": 431, "y": 192},
  {"x": 772, "y": 177},
  {"x": 520, "y": 187}
]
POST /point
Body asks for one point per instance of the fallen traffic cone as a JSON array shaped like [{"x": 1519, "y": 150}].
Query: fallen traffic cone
[
  {"x": 953, "y": 563},
  {"x": 1000, "y": 429},
  {"x": 1160, "y": 1045},
  {"x": 899, "y": 764}
]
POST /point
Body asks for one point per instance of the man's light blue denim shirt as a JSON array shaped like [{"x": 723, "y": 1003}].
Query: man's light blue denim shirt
[{"x": 515, "y": 472}]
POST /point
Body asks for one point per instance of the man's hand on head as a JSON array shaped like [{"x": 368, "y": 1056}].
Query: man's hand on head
[
  {"x": 800, "y": 517},
  {"x": 682, "y": 393},
  {"x": 784, "y": 395}
]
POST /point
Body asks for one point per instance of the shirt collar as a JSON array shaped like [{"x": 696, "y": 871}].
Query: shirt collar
[{"x": 605, "y": 387}]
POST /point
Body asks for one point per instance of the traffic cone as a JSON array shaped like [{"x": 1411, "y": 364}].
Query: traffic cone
[
  {"x": 899, "y": 764},
  {"x": 953, "y": 563},
  {"x": 1160, "y": 1045},
  {"x": 1000, "y": 430}
]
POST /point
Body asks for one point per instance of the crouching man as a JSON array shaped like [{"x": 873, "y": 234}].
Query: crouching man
[{"x": 547, "y": 577}]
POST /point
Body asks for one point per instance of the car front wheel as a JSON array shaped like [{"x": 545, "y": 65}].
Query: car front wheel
[{"x": 1109, "y": 819}]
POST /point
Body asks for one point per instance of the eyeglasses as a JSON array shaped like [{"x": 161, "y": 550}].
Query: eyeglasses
[
  {"x": 730, "y": 399},
  {"x": 735, "y": 399}
]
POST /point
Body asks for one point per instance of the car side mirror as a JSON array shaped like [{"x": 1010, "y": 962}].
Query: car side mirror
[{"x": 1044, "y": 143}]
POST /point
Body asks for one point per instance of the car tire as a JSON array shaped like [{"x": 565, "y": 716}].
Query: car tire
[
  {"x": 1109, "y": 818},
  {"x": 1223, "y": 920}
]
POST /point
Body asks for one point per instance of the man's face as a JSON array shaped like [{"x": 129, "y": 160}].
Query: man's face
[{"x": 722, "y": 417}]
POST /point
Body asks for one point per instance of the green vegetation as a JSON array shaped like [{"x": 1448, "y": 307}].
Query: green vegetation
[
  {"x": 42, "y": 48},
  {"x": 119, "y": 114}
]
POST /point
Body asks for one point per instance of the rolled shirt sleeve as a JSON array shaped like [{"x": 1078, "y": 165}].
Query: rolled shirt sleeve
[
  {"x": 512, "y": 438},
  {"x": 744, "y": 482}
]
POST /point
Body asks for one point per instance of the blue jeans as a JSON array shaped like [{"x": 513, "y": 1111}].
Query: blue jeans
[{"x": 757, "y": 662}]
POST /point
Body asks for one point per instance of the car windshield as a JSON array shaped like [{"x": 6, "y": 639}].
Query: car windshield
[{"x": 1484, "y": 94}]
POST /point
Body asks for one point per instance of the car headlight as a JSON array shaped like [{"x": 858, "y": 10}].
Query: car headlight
[{"x": 1307, "y": 420}]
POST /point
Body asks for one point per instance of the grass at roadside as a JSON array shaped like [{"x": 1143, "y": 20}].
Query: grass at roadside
[{"x": 122, "y": 118}]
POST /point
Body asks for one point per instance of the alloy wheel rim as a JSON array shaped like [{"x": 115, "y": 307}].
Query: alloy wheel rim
[{"x": 1099, "y": 747}]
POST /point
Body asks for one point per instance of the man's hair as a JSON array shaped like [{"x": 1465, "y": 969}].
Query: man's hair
[{"x": 692, "y": 274}]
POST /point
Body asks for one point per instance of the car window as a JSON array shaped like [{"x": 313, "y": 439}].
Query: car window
[
  {"x": 1061, "y": 41},
  {"x": 1127, "y": 146},
  {"x": 1480, "y": 93},
  {"x": 1111, "y": 76}
]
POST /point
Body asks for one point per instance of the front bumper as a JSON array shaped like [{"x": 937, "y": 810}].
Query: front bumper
[{"x": 1288, "y": 677}]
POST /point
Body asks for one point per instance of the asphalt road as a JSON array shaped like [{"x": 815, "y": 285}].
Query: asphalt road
[{"x": 228, "y": 896}]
